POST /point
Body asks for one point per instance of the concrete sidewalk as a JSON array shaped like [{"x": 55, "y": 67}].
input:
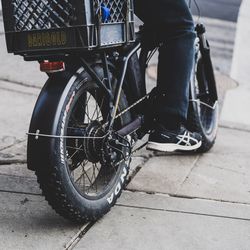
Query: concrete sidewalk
[{"x": 171, "y": 202}]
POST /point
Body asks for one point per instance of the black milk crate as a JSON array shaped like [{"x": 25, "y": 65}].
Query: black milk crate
[{"x": 46, "y": 27}]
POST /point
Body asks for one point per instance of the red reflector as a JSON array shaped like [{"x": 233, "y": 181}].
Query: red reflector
[{"x": 52, "y": 67}]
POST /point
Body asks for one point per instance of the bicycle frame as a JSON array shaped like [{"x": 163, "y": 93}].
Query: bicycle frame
[
  {"x": 114, "y": 98},
  {"x": 105, "y": 84},
  {"x": 144, "y": 59}
]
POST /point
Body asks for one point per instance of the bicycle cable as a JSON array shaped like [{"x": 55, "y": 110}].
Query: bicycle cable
[{"x": 198, "y": 9}]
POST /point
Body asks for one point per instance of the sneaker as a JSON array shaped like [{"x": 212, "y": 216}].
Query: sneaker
[{"x": 169, "y": 141}]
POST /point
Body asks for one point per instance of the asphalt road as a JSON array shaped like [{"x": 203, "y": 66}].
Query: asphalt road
[{"x": 219, "y": 9}]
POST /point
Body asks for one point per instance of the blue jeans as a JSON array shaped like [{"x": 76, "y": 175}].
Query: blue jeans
[{"x": 170, "y": 22}]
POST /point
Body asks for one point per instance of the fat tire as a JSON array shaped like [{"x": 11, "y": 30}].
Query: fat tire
[
  {"x": 194, "y": 120},
  {"x": 194, "y": 124},
  {"x": 55, "y": 183}
]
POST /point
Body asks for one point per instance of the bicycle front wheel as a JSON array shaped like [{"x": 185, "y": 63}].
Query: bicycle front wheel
[{"x": 204, "y": 108}]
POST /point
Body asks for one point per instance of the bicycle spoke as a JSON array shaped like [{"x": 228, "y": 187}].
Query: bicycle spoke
[
  {"x": 96, "y": 107},
  {"x": 79, "y": 178},
  {"x": 75, "y": 153},
  {"x": 87, "y": 109},
  {"x": 83, "y": 181},
  {"x": 85, "y": 174},
  {"x": 100, "y": 108},
  {"x": 91, "y": 178},
  {"x": 97, "y": 167},
  {"x": 95, "y": 178},
  {"x": 70, "y": 147}
]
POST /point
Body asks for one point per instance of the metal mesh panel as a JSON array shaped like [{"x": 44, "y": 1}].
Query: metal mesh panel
[
  {"x": 40, "y": 28},
  {"x": 117, "y": 9},
  {"x": 42, "y": 14}
]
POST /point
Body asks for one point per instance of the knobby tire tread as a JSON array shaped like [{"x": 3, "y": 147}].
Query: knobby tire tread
[{"x": 55, "y": 194}]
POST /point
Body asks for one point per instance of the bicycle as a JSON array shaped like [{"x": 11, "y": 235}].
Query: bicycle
[{"x": 92, "y": 111}]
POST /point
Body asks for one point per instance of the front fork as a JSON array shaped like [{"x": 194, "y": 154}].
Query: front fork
[{"x": 208, "y": 66}]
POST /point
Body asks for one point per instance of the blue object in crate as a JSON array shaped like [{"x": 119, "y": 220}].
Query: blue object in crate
[{"x": 105, "y": 13}]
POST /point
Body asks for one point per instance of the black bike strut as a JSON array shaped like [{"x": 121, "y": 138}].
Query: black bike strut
[
  {"x": 120, "y": 84},
  {"x": 94, "y": 75}
]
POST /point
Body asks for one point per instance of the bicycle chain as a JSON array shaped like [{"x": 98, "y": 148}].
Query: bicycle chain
[{"x": 132, "y": 106}]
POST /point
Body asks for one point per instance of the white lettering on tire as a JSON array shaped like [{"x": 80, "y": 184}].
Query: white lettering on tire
[
  {"x": 118, "y": 187},
  {"x": 63, "y": 126},
  {"x": 111, "y": 198}
]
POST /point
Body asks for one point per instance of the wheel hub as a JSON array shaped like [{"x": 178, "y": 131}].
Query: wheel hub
[
  {"x": 106, "y": 149},
  {"x": 93, "y": 144}
]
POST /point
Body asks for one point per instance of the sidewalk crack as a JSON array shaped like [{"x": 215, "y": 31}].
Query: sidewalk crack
[
  {"x": 187, "y": 177},
  {"x": 78, "y": 236},
  {"x": 19, "y": 83},
  {"x": 12, "y": 161},
  {"x": 18, "y": 141},
  {"x": 185, "y": 212}
]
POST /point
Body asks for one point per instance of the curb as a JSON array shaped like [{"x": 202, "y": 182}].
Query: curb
[
  {"x": 241, "y": 57},
  {"x": 237, "y": 102}
]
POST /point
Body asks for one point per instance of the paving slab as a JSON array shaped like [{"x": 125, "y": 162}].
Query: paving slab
[
  {"x": 15, "y": 69},
  {"x": 27, "y": 222},
  {"x": 136, "y": 162},
  {"x": 138, "y": 228},
  {"x": 17, "y": 178},
  {"x": 236, "y": 106},
  {"x": 222, "y": 174},
  {"x": 14, "y": 154},
  {"x": 19, "y": 88},
  {"x": 223, "y": 179},
  {"x": 163, "y": 174},
  {"x": 16, "y": 109},
  {"x": 185, "y": 205},
  {"x": 230, "y": 141},
  {"x": 16, "y": 170},
  {"x": 143, "y": 152},
  {"x": 19, "y": 184}
]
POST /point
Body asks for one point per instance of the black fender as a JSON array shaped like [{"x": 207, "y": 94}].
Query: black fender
[
  {"x": 204, "y": 49},
  {"x": 46, "y": 115}
]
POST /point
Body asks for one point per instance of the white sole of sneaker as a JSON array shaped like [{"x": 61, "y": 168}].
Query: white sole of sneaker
[{"x": 168, "y": 147}]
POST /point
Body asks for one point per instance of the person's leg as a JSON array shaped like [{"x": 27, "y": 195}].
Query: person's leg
[{"x": 170, "y": 22}]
